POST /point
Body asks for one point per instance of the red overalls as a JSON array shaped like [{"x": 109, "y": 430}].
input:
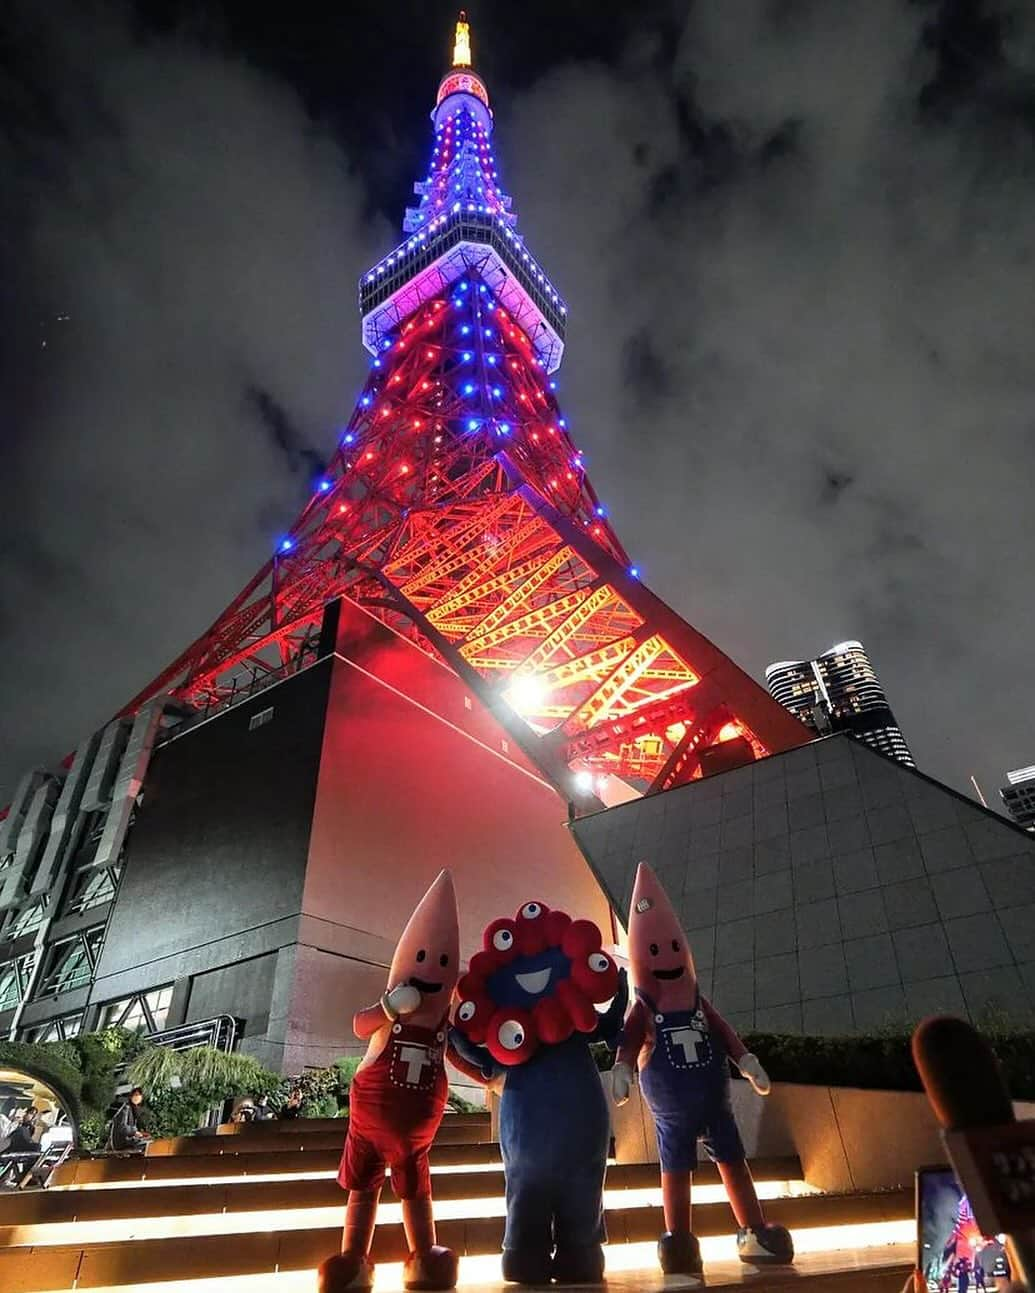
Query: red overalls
[{"x": 395, "y": 1108}]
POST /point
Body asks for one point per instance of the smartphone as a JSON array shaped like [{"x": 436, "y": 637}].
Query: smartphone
[{"x": 952, "y": 1254}]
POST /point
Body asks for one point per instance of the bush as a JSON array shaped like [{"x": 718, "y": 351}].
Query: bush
[
  {"x": 323, "y": 1106},
  {"x": 183, "y": 1086},
  {"x": 880, "y": 1062},
  {"x": 57, "y": 1063}
]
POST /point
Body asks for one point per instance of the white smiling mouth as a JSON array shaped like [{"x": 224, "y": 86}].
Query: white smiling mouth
[{"x": 534, "y": 983}]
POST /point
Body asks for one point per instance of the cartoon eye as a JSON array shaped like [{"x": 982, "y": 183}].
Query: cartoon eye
[
  {"x": 443, "y": 959},
  {"x": 503, "y": 940},
  {"x": 653, "y": 949},
  {"x": 511, "y": 1035},
  {"x": 467, "y": 1011},
  {"x": 531, "y": 910},
  {"x": 675, "y": 945},
  {"x": 599, "y": 963},
  {"x": 421, "y": 955}
]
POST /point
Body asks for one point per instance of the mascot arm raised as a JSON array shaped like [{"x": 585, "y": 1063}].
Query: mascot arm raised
[{"x": 609, "y": 1025}]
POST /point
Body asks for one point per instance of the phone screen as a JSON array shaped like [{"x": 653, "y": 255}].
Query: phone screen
[{"x": 952, "y": 1253}]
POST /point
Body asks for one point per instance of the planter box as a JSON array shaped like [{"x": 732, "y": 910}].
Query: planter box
[{"x": 846, "y": 1139}]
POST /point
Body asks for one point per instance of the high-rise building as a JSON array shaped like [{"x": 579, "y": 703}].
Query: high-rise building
[
  {"x": 839, "y": 691},
  {"x": 448, "y": 644},
  {"x": 1019, "y": 797}
]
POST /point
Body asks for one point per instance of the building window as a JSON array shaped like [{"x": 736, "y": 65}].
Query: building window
[
  {"x": 92, "y": 887},
  {"x": 91, "y": 828},
  {"x": 144, "y": 1013},
  {"x": 14, "y": 980},
  {"x": 55, "y": 1030},
  {"x": 72, "y": 962},
  {"x": 25, "y": 921}
]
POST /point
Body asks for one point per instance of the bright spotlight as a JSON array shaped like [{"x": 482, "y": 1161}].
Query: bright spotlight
[
  {"x": 584, "y": 782},
  {"x": 525, "y": 694}
]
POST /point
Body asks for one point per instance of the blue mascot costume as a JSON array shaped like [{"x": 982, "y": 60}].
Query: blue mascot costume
[{"x": 526, "y": 1015}]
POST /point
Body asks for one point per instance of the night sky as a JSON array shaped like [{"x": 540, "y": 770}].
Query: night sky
[{"x": 797, "y": 243}]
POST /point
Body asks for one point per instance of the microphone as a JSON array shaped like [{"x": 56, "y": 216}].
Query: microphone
[{"x": 992, "y": 1154}]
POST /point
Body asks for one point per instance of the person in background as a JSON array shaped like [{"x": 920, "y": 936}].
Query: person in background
[
  {"x": 124, "y": 1135},
  {"x": 263, "y": 1112},
  {"x": 293, "y": 1108}
]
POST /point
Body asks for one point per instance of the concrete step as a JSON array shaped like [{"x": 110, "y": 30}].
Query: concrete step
[
  {"x": 232, "y": 1162},
  {"x": 31, "y": 1269},
  {"x": 279, "y": 1193}
]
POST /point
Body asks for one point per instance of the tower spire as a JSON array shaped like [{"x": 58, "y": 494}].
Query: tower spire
[
  {"x": 462, "y": 43},
  {"x": 457, "y": 509}
]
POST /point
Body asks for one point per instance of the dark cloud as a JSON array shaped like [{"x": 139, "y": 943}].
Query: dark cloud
[
  {"x": 796, "y": 241},
  {"x": 826, "y": 288},
  {"x": 203, "y": 235}
]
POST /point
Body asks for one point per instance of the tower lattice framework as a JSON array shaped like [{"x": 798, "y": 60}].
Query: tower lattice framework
[{"x": 458, "y": 510}]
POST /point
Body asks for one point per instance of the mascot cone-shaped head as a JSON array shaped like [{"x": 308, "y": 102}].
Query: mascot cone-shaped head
[
  {"x": 660, "y": 963},
  {"x": 427, "y": 956}
]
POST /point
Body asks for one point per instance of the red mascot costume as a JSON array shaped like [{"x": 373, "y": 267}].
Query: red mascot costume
[{"x": 397, "y": 1100}]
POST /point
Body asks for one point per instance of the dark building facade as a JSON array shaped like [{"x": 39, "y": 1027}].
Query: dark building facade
[
  {"x": 831, "y": 890},
  {"x": 839, "y": 691},
  {"x": 268, "y": 855}
]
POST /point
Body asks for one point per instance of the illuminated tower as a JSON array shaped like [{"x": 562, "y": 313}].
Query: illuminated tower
[{"x": 457, "y": 509}]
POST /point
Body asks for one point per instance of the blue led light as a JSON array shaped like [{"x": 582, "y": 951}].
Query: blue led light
[
  {"x": 601, "y": 511},
  {"x": 496, "y": 391},
  {"x": 468, "y": 388},
  {"x": 365, "y": 401},
  {"x": 467, "y": 356},
  {"x": 464, "y": 285},
  {"x": 482, "y": 288},
  {"x": 490, "y": 359},
  {"x": 634, "y": 571},
  {"x": 348, "y": 438},
  {"x": 504, "y": 428},
  {"x": 561, "y": 422},
  {"x": 553, "y": 386},
  {"x": 324, "y": 486},
  {"x": 472, "y": 424},
  {"x": 286, "y": 545},
  {"x": 386, "y": 344},
  {"x": 488, "y": 332},
  {"x": 465, "y": 329}
]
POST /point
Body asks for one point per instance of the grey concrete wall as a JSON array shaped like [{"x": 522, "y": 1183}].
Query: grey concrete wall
[{"x": 828, "y": 890}]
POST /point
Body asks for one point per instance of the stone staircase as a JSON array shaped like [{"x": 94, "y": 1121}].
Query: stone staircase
[{"x": 257, "y": 1207}]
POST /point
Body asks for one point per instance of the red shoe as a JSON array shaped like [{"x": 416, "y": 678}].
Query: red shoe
[
  {"x": 435, "y": 1268},
  {"x": 345, "y": 1272}
]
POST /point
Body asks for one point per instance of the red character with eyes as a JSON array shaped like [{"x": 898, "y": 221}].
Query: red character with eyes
[{"x": 526, "y": 1014}]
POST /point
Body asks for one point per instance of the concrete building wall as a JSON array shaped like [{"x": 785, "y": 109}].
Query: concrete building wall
[{"x": 829, "y": 890}]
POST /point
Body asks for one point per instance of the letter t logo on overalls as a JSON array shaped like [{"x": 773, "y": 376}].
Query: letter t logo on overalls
[
  {"x": 689, "y": 1041},
  {"x": 416, "y": 1060}
]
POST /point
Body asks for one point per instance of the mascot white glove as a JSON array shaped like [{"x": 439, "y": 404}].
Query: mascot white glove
[
  {"x": 621, "y": 1082},
  {"x": 752, "y": 1069},
  {"x": 403, "y": 999}
]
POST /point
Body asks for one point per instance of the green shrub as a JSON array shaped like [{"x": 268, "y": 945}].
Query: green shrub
[
  {"x": 879, "y": 1062},
  {"x": 57, "y": 1063},
  {"x": 321, "y": 1106},
  {"x": 181, "y": 1087}
]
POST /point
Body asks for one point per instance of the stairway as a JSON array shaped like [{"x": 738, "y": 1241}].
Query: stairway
[{"x": 258, "y": 1208}]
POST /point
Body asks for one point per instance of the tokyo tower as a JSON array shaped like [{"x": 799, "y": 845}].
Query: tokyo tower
[{"x": 458, "y": 511}]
